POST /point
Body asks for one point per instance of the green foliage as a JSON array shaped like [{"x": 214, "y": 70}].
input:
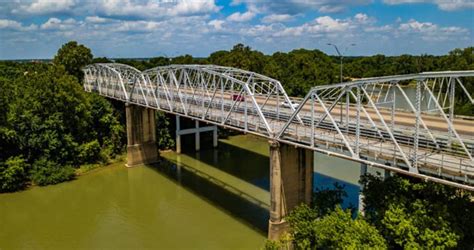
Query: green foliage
[
  {"x": 164, "y": 129},
  {"x": 302, "y": 221},
  {"x": 50, "y": 114},
  {"x": 108, "y": 130},
  {"x": 414, "y": 229},
  {"x": 411, "y": 213},
  {"x": 284, "y": 243},
  {"x": 326, "y": 200},
  {"x": 13, "y": 174},
  {"x": 101, "y": 60},
  {"x": 335, "y": 230},
  {"x": 45, "y": 116},
  {"x": 73, "y": 57},
  {"x": 89, "y": 152},
  {"x": 339, "y": 231},
  {"x": 241, "y": 56},
  {"x": 326, "y": 225},
  {"x": 46, "y": 172}
]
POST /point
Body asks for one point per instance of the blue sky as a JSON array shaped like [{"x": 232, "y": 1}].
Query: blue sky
[{"x": 147, "y": 28}]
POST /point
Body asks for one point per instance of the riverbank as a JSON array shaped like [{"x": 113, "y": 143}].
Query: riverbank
[{"x": 87, "y": 168}]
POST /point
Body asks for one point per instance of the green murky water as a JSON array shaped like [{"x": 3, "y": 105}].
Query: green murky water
[{"x": 182, "y": 203}]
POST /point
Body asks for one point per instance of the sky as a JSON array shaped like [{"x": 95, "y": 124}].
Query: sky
[{"x": 34, "y": 29}]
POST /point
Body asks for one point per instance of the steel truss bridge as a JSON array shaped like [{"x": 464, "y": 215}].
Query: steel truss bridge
[{"x": 375, "y": 121}]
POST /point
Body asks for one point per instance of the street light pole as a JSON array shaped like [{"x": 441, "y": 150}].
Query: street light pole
[
  {"x": 340, "y": 73},
  {"x": 341, "y": 56}
]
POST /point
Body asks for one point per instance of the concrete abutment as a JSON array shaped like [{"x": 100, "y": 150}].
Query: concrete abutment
[{"x": 291, "y": 183}]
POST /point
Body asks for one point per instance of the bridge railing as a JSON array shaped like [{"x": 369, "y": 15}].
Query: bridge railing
[{"x": 399, "y": 120}]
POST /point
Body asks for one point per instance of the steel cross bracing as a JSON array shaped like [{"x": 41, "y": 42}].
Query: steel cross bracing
[{"x": 377, "y": 121}]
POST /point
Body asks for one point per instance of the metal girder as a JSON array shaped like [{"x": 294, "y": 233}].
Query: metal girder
[{"x": 377, "y": 121}]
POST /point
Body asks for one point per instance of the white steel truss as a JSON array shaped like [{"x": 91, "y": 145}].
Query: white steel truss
[{"x": 376, "y": 121}]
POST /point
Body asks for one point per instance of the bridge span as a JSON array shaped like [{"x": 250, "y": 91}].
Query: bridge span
[{"x": 372, "y": 121}]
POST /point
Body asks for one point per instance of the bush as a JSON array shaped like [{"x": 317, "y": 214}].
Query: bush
[
  {"x": 46, "y": 172},
  {"x": 89, "y": 152},
  {"x": 13, "y": 174}
]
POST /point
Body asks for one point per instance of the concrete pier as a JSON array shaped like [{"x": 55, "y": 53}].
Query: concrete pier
[
  {"x": 141, "y": 135},
  {"x": 196, "y": 131},
  {"x": 291, "y": 183}
]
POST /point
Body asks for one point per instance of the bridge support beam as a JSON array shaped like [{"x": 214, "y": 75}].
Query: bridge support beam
[
  {"x": 196, "y": 131},
  {"x": 141, "y": 135},
  {"x": 291, "y": 183}
]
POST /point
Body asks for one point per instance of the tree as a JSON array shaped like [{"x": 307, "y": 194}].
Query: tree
[
  {"x": 101, "y": 60},
  {"x": 336, "y": 230},
  {"x": 73, "y": 56},
  {"x": 413, "y": 213},
  {"x": 51, "y": 116},
  {"x": 325, "y": 225}
]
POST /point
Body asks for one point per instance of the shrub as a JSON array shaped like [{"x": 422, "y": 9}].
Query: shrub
[
  {"x": 13, "y": 174},
  {"x": 89, "y": 152},
  {"x": 46, "y": 172}
]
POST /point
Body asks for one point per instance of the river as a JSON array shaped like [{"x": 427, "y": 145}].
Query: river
[{"x": 215, "y": 199}]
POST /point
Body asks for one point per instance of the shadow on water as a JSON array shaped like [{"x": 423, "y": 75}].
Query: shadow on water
[
  {"x": 242, "y": 163},
  {"x": 321, "y": 181},
  {"x": 238, "y": 204},
  {"x": 197, "y": 174}
]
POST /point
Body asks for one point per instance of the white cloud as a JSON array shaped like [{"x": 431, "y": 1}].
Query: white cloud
[
  {"x": 149, "y": 9},
  {"x": 259, "y": 30},
  {"x": 154, "y": 9},
  {"x": 277, "y": 18},
  {"x": 241, "y": 17},
  {"x": 447, "y": 5},
  {"x": 320, "y": 25},
  {"x": 96, "y": 19},
  {"x": 363, "y": 18},
  {"x": 14, "y": 25},
  {"x": 431, "y": 32},
  {"x": 44, "y": 6},
  {"x": 300, "y": 6},
  {"x": 58, "y": 24},
  {"x": 415, "y": 26},
  {"x": 217, "y": 24},
  {"x": 138, "y": 26}
]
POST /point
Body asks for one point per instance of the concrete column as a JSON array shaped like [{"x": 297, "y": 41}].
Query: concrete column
[
  {"x": 178, "y": 135},
  {"x": 198, "y": 137},
  {"x": 291, "y": 183},
  {"x": 214, "y": 137},
  {"x": 141, "y": 135},
  {"x": 386, "y": 174},
  {"x": 363, "y": 171}
]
